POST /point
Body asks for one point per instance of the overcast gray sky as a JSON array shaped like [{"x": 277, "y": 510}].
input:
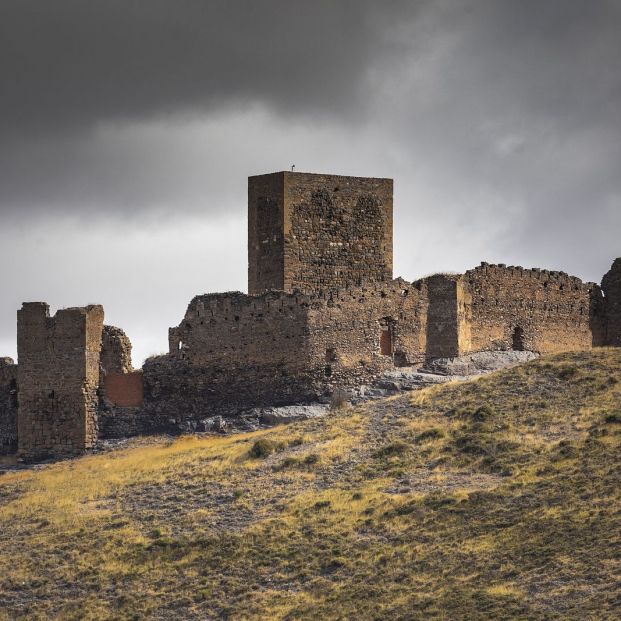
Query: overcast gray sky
[{"x": 128, "y": 129}]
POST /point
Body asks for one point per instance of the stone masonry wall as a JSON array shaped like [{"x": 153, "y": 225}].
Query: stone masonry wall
[
  {"x": 58, "y": 376},
  {"x": 530, "y": 309},
  {"x": 231, "y": 351},
  {"x": 356, "y": 334},
  {"x": 611, "y": 284},
  {"x": 8, "y": 406},
  {"x": 317, "y": 232},
  {"x": 234, "y": 351},
  {"x": 448, "y": 330}
]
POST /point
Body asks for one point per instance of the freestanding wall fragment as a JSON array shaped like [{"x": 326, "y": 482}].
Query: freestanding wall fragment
[{"x": 58, "y": 376}]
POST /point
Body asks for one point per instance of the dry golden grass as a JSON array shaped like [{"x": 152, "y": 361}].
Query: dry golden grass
[{"x": 497, "y": 498}]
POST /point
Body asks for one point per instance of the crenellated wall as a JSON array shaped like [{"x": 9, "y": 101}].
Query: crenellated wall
[
  {"x": 58, "y": 376},
  {"x": 530, "y": 309},
  {"x": 357, "y": 333}
]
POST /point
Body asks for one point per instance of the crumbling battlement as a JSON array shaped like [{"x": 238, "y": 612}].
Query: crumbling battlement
[
  {"x": 8, "y": 406},
  {"x": 58, "y": 376},
  {"x": 312, "y": 232}
]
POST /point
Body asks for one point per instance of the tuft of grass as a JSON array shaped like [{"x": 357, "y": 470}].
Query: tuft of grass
[
  {"x": 398, "y": 447},
  {"x": 435, "y": 433}
]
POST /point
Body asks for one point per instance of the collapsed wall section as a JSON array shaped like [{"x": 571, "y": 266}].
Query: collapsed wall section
[
  {"x": 8, "y": 406},
  {"x": 530, "y": 309},
  {"x": 58, "y": 376},
  {"x": 611, "y": 284},
  {"x": 121, "y": 388},
  {"x": 116, "y": 351}
]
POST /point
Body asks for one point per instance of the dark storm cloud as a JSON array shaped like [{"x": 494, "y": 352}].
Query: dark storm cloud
[
  {"x": 480, "y": 91},
  {"x": 127, "y": 130},
  {"x": 69, "y": 63}
]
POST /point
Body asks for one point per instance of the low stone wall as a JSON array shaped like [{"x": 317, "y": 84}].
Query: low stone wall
[
  {"x": 178, "y": 391},
  {"x": 122, "y": 422}
]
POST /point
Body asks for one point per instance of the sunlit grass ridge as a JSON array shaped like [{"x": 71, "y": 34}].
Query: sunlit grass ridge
[{"x": 497, "y": 498}]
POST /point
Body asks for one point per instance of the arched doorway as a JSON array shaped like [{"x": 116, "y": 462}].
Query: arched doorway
[{"x": 518, "y": 339}]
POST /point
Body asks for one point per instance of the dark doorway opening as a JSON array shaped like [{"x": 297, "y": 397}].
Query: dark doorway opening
[
  {"x": 518, "y": 339},
  {"x": 386, "y": 341}
]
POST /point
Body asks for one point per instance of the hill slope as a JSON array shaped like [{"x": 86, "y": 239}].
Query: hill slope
[{"x": 496, "y": 498}]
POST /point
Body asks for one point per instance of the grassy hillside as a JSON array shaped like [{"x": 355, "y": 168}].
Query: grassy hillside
[{"x": 499, "y": 498}]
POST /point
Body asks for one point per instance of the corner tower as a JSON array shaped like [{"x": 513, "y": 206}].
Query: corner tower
[{"x": 311, "y": 232}]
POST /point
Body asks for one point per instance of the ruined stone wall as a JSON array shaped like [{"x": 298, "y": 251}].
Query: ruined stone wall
[
  {"x": 235, "y": 351},
  {"x": 530, "y": 309},
  {"x": 230, "y": 352},
  {"x": 58, "y": 376},
  {"x": 356, "y": 334},
  {"x": 316, "y": 232},
  {"x": 8, "y": 406},
  {"x": 611, "y": 284}
]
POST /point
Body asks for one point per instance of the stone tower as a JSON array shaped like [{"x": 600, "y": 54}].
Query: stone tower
[
  {"x": 312, "y": 232},
  {"x": 58, "y": 376}
]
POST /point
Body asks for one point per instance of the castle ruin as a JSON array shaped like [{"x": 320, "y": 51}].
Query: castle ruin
[{"x": 323, "y": 312}]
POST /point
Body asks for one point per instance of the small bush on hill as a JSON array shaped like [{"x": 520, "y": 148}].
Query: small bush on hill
[{"x": 262, "y": 448}]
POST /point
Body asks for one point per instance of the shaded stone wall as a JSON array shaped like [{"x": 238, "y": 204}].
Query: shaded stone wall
[
  {"x": 611, "y": 284},
  {"x": 316, "y": 232},
  {"x": 266, "y": 199},
  {"x": 58, "y": 375},
  {"x": 530, "y": 309},
  {"x": 8, "y": 406}
]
